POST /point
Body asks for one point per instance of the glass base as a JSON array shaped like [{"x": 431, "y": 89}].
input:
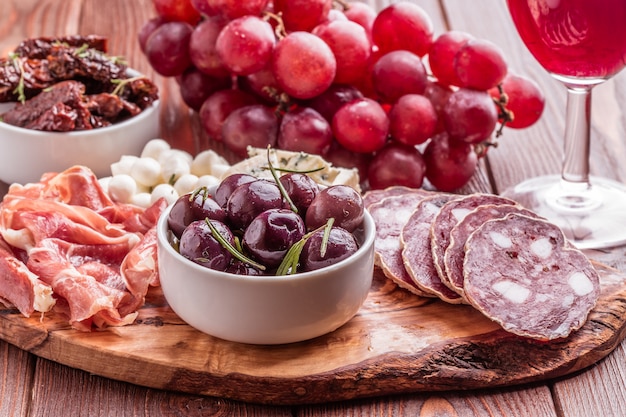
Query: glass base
[{"x": 592, "y": 217}]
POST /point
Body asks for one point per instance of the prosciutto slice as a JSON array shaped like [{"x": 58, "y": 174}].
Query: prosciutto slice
[
  {"x": 20, "y": 287},
  {"x": 92, "y": 259}
]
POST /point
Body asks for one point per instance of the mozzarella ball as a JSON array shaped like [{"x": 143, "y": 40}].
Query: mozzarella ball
[
  {"x": 186, "y": 184},
  {"x": 124, "y": 165},
  {"x": 155, "y": 148},
  {"x": 146, "y": 171},
  {"x": 164, "y": 190},
  {"x": 122, "y": 187}
]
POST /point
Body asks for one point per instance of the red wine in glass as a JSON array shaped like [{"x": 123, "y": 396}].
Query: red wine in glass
[{"x": 581, "y": 43}]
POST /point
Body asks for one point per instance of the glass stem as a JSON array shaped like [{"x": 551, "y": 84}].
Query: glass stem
[{"x": 575, "y": 171}]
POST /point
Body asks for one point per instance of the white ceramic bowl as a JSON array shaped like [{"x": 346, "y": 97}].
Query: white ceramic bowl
[
  {"x": 266, "y": 309},
  {"x": 26, "y": 154}
]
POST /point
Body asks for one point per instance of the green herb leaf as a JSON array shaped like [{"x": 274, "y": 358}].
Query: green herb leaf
[
  {"x": 291, "y": 261},
  {"x": 230, "y": 248},
  {"x": 279, "y": 184}
]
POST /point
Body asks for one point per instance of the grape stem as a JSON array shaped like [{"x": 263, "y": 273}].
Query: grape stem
[
  {"x": 280, "y": 31},
  {"x": 343, "y": 4},
  {"x": 504, "y": 114}
]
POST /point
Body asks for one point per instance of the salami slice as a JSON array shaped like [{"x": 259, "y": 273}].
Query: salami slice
[
  {"x": 374, "y": 196},
  {"x": 416, "y": 251},
  {"x": 522, "y": 273},
  {"x": 450, "y": 214},
  {"x": 455, "y": 252},
  {"x": 390, "y": 214}
]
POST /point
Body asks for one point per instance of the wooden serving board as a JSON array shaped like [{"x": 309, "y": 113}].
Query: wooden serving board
[{"x": 397, "y": 343}]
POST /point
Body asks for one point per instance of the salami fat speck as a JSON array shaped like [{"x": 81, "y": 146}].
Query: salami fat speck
[
  {"x": 390, "y": 215},
  {"x": 416, "y": 251},
  {"x": 520, "y": 272},
  {"x": 450, "y": 214},
  {"x": 455, "y": 252}
]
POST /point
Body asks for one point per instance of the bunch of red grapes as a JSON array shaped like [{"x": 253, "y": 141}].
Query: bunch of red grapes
[{"x": 375, "y": 91}]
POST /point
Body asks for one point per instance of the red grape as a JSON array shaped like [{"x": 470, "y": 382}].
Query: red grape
[
  {"x": 303, "y": 64},
  {"x": 403, "y": 25},
  {"x": 344, "y": 158},
  {"x": 232, "y": 9},
  {"x": 202, "y": 6},
  {"x": 438, "y": 94},
  {"x": 304, "y": 129},
  {"x": 332, "y": 99},
  {"x": 245, "y": 44},
  {"x": 302, "y": 15},
  {"x": 412, "y": 119},
  {"x": 167, "y": 48},
  {"x": 525, "y": 100},
  {"x": 480, "y": 64},
  {"x": 196, "y": 87},
  {"x": 147, "y": 29},
  {"x": 255, "y": 125},
  {"x": 398, "y": 73},
  {"x": 396, "y": 164},
  {"x": 363, "y": 14},
  {"x": 441, "y": 56},
  {"x": 202, "y": 50},
  {"x": 177, "y": 10},
  {"x": 361, "y": 125},
  {"x": 262, "y": 84},
  {"x": 218, "y": 106},
  {"x": 449, "y": 165},
  {"x": 470, "y": 115},
  {"x": 351, "y": 47},
  {"x": 334, "y": 14}
]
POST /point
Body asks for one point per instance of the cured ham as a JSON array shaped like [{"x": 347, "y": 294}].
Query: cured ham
[
  {"x": 21, "y": 287},
  {"x": 70, "y": 249}
]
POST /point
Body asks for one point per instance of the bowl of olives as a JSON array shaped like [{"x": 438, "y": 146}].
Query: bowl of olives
[{"x": 263, "y": 261}]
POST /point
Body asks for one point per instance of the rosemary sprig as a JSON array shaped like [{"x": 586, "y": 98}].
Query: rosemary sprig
[
  {"x": 19, "y": 88},
  {"x": 81, "y": 51},
  {"x": 284, "y": 192},
  {"x": 121, "y": 83},
  {"x": 289, "y": 265},
  {"x": 226, "y": 244},
  {"x": 298, "y": 171}
]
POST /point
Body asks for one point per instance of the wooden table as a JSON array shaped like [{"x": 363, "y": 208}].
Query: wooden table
[{"x": 32, "y": 386}]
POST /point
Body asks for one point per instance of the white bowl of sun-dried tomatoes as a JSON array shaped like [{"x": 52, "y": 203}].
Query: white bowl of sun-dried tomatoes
[{"x": 64, "y": 102}]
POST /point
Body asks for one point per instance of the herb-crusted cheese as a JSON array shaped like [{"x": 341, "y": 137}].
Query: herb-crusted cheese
[{"x": 257, "y": 164}]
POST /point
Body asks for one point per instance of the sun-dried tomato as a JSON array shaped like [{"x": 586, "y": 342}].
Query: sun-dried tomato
[{"x": 35, "y": 73}]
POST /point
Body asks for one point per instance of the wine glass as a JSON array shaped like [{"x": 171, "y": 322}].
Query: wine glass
[{"x": 581, "y": 43}]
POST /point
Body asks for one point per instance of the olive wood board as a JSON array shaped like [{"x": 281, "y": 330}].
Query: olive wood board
[{"x": 397, "y": 343}]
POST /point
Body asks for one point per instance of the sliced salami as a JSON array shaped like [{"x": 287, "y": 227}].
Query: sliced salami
[
  {"x": 520, "y": 272},
  {"x": 416, "y": 251},
  {"x": 455, "y": 252},
  {"x": 390, "y": 215},
  {"x": 450, "y": 214},
  {"x": 374, "y": 196}
]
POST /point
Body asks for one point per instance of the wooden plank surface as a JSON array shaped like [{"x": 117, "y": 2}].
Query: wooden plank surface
[{"x": 36, "y": 387}]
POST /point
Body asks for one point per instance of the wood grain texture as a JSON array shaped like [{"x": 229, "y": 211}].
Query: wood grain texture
[
  {"x": 16, "y": 366},
  {"x": 397, "y": 343},
  {"x": 533, "y": 401}
]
